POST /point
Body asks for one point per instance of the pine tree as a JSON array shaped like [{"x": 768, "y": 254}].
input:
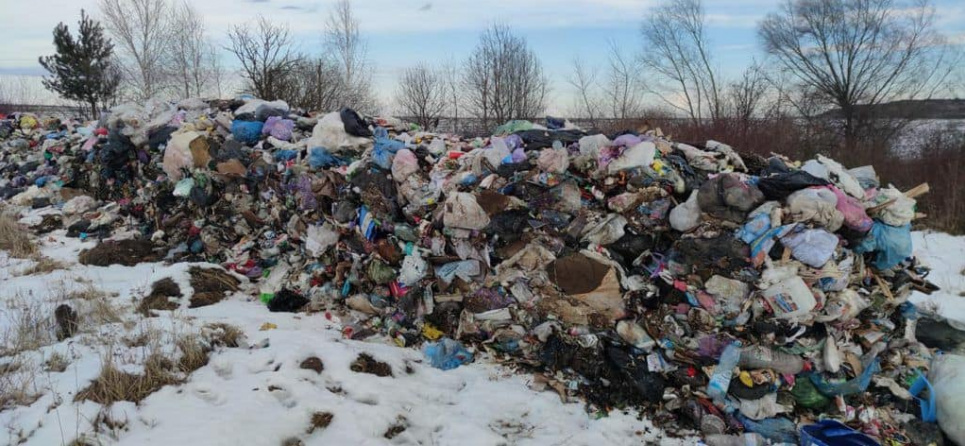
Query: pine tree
[{"x": 82, "y": 69}]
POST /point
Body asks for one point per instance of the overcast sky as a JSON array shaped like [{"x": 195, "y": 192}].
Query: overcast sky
[{"x": 403, "y": 32}]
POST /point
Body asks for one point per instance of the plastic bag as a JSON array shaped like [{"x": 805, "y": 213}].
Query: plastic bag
[
  {"x": 813, "y": 247},
  {"x": 899, "y": 213},
  {"x": 639, "y": 155},
  {"x": 554, "y": 160},
  {"x": 842, "y": 178},
  {"x": 404, "y": 164},
  {"x": 727, "y": 197},
  {"x": 446, "y": 354},
  {"x": 354, "y": 124},
  {"x": 177, "y": 154},
  {"x": 816, "y": 205},
  {"x": 320, "y": 158},
  {"x": 947, "y": 377},
  {"x": 775, "y": 429},
  {"x": 855, "y": 217},
  {"x": 278, "y": 128},
  {"x": 320, "y": 238},
  {"x": 857, "y": 385},
  {"x": 330, "y": 133},
  {"x": 246, "y": 132},
  {"x": 891, "y": 245},
  {"x": 463, "y": 212},
  {"x": 591, "y": 145},
  {"x": 778, "y": 187}
]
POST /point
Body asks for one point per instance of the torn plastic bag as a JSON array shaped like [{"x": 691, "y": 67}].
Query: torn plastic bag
[
  {"x": 320, "y": 158},
  {"x": 778, "y": 187},
  {"x": 890, "y": 245},
  {"x": 413, "y": 269},
  {"x": 554, "y": 160},
  {"x": 462, "y": 211},
  {"x": 177, "y": 154},
  {"x": 866, "y": 176},
  {"x": 818, "y": 205},
  {"x": 731, "y": 160},
  {"x": 320, "y": 238},
  {"x": 775, "y": 429},
  {"x": 900, "y": 212},
  {"x": 330, "y": 133},
  {"x": 591, "y": 145},
  {"x": 686, "y": 216},
  {"x": 404, "y": 164},
  {"x": 813, "y": 247},
  {"x": 728, "y": 198},
  {"x": 354, "y": 124},
  {"x": 844, "y": 388},
  {"x": 841, "y": 178},
  {"x": 446, "y": 354},
  {"x": 947, "y": 377},
  {"x": 639, "y": 155},
  {"x": 607, "y": 231}
]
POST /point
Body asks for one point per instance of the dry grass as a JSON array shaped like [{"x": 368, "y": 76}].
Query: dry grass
[
  {"x": 210, "y": 286},
  {"x": 44, "y": 265},
  {"x": 29, "y": 325},
  {"x": 17, "y": 385},
  {"x": 222, "y": 335},
  {"x": 194, "y": 354},
  {"x": 114, "y": 385},
  {"x": 56, "y": 362},
  {"x": 14, "y": 240},
  {"x": 160, "y": 298}
]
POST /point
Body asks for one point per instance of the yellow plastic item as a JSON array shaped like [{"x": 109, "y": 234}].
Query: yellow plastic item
[
  {"x": 267, "y": 326},
  {"x": 746, "y": 379},
  {"x": 431, "y": 333}
]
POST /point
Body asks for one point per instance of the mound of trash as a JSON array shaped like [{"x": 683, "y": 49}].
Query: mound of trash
[{"x": 741, "y": 298}]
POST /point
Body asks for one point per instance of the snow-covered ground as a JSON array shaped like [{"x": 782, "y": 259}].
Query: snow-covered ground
[{"x": 257, "y": 393}]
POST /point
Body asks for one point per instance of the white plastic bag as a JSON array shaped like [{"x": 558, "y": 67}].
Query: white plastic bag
[
  {"x": 686, "y": 216},
  {"x": 947, "y": 377}
]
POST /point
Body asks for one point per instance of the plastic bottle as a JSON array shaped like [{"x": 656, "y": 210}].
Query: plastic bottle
[
  {"x": 761, "y": 357},
  {"x": 720, "y": 381}
]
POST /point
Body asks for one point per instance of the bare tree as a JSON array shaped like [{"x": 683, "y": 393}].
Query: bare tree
[
  {"x": 313, "y": 84},
  {"x": 265, "y": 51},
  {"x": 194, "y": 58},
  {"x": 142, "y": 31},
  {"x": 623, "y": 87},
  {"x": 503, "y": 79},
  {"x": 854, "y": 53},
  {"x": 677, "y": 53},
  {"x": 422, "y": 95},
  {"x": 345, "y": 43},
  {"x": 450, "y": 75},
  {"x": 587, "y": 102},
  {"x": 747, "y": 94}
]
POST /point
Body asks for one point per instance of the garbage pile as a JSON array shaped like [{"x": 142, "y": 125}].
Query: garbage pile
[{"x": 737, "y": 297}]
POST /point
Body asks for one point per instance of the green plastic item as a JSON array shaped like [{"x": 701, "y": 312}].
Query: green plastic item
[
  {"x": 513, "y": 126},
  {"x": 807, "y": 395},
  {"x": 380, "y": 272}
]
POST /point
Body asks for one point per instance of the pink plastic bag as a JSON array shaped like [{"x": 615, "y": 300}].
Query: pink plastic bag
[{"x": 855, "y": 217}]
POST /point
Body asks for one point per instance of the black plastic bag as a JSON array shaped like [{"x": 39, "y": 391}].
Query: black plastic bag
[
  {"x": 778, "y": 187},
  {"x": 286, "y": 301},
  {"x": 354, "y": 124}
]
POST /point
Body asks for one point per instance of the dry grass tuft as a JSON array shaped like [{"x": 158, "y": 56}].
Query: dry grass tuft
[
  {"x": 44, "y": 265},
  {"x": 17, "y": 384},
  {"x": 113, "y": 385},
  {"x": 222, "y": 335},
  {"x": 160, "y": 298},
  {"x": 13, "y": 238},
  {"x": 28, "y": 326},
  {"x": 194, "y": 354},
  {"x": 56, "y": 362},
  {"x": 320, "y": 420},
  {"x": 210, "y": 286}
]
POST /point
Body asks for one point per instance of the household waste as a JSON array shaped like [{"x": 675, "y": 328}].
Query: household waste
[{"x": 722, "y": 294}]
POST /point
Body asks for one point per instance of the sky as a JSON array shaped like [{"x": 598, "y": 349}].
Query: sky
[{"x": 401, "y": 33}]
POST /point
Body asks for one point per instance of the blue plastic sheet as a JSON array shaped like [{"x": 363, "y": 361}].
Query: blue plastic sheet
[
  {"x": 891, "y": 244},
  {"x": 321, "y": 158},
  {"x": 779, "y": 430}
]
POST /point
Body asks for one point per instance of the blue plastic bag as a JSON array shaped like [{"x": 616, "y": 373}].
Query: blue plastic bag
[
  {"x": 446, "y": 354},
  {"x": 285, "y": 155},
  {"x": 928, "y": 410},
  {"x": 385, "y": 148},
  {"x": 891, "y": 244},
  {"x": 857, "y": 385},
  {"x": 779, "y": 430},
  {"x": 278, "y": 127},
  {"x": 246, "y": 132},
  {"x": 321, "y": 158},
  {"x": 833, "y": 433}
]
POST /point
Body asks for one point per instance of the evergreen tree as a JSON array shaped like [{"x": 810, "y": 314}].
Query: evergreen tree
[{"x": 82, "y": 69}]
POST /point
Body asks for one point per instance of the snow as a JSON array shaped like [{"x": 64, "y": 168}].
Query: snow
[{"x": 257, "y": 394}]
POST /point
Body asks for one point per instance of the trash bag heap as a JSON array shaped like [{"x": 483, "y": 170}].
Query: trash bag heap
[{"x": 721, "y": 294}]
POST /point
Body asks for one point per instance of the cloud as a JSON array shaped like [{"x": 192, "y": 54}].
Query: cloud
[
  {"x": 258, "y": 1},
  {"x": 425, "y": 7}
]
